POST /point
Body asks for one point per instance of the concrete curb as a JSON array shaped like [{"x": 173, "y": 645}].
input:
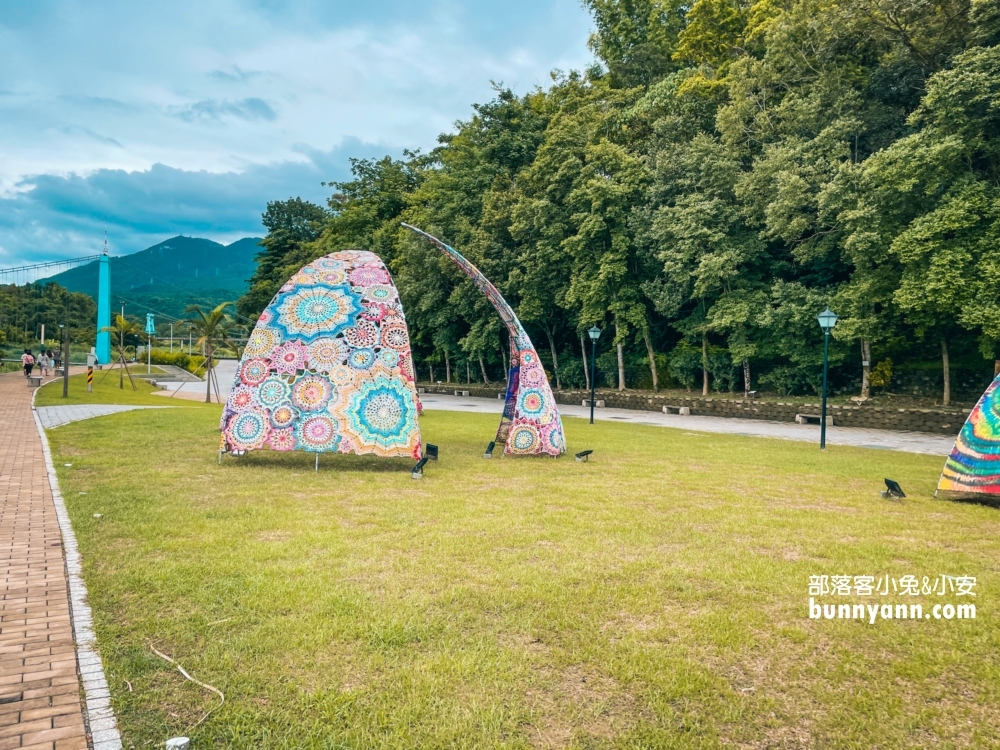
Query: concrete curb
[{"x": 99, "y": 718}]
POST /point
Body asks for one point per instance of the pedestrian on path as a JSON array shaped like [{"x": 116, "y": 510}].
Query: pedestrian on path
[
  {"x": 44, "y": 363},
  {"x": 27, "y": 361}
]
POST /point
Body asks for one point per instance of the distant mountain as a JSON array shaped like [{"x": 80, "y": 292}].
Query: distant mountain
[{"x": 168, "y": 277}]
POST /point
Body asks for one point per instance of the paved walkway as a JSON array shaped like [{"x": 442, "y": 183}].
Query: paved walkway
[
  {"x": 178, "y": 374},
  {"x": 896, "y": 440},
  {"x": 56, "y": 416},
  {"x": 194, "y": 390},
  {"x": 39, "y": 687}
]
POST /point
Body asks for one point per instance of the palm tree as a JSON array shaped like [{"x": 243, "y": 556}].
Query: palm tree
[
  {"x": 122, "y": 328},
  {"x": 212, "y": 329}
]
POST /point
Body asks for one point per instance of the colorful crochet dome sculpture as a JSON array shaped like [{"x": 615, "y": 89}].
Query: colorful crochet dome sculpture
[
  {"x": 972, "y": 470},
  {"x": 530, "y": 424},
  {"x": 328, "y": 366}
]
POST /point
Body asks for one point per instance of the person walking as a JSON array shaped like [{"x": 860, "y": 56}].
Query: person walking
[
  {"x": 44, "y": 363},
  {"x": 28, "y": 362}
]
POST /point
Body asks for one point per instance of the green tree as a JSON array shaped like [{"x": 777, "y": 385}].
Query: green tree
[
  {"x": 125, "y": 332},
  {"x": 212, "y": 329},
  {"x": 290, "y": 224}
]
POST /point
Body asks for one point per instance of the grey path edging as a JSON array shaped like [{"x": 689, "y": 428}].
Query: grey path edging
[
  {"x": 858, "y": 437},
  {"x": 99, "y": 717},
  {"x": 56, "y": 416}
]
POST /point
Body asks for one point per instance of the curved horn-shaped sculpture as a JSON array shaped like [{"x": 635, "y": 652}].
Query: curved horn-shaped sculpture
[{"x": 530, "y": 424}]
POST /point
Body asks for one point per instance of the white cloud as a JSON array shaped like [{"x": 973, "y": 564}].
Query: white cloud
[{"x": 223, "y": 87}]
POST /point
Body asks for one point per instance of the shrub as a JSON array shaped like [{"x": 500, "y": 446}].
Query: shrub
[
  {"x": 881, "y": 375},
  {"x": 189, "y": 362},
  {"x": 722, "y": 369},
  {"x": 684, "y": 363},
  {"x": 571, "y": 371},
  {"x": 790, "y": 381}
]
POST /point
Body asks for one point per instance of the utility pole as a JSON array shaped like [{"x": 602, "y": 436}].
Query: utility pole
[
  {"x": 171, "y": 338},
  {"x": 66, "y": 362},
  {"x": 150, "y": 332}
]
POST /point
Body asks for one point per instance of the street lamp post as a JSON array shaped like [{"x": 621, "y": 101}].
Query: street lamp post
[
  {"x": 594, "y": 333},
  {"x": 827, "y": 320}
]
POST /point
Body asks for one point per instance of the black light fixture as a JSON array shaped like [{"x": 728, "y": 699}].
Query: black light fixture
[
  {"x": 418, "y": 470},
  {"x": 431, "y": 452},
  {"x": 489, "y": 450},
  {"x": 827, "y": 320},
  {"x": 594, "y": 333},
  {"x": 892, "y": 490},
  {"x": 583, "y": 455}
]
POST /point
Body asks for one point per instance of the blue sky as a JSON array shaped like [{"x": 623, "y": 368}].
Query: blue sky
[{"x": 187, "y": 117}]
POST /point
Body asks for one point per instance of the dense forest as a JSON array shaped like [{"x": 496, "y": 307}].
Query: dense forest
[
  {"x": 25, "y": 309},
  {"x": 722, "y": 172}
]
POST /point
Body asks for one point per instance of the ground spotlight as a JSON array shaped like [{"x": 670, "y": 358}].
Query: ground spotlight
[
  {"x": 431, "y": 452},
  {"x": 418, "y": 470},
  {"x": 892, "y": 491},
  {"x": 489, "y": 450},
  {"x": 583, "y": 455}
]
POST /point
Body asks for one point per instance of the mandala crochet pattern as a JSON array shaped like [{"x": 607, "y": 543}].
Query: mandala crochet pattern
[
  {"x": 973, "y": 468},
  {"x": 327, "y": 367}
]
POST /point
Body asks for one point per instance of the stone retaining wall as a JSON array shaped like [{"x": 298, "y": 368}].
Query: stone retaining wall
[{"x": 941, "y": 421}]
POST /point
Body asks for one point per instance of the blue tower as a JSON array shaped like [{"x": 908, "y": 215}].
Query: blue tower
[{"x": 104, "y": 307}]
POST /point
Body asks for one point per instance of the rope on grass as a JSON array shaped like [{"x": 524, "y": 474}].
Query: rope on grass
[{"x": 196, "y": 682}]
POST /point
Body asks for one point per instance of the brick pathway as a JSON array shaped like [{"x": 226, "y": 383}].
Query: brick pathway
[{"x": 40, "y": 697}]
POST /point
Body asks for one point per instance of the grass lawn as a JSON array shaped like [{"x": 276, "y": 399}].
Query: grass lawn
[
  {"x": 106, "y": 391},
  {"x": 655, "y": 597}
]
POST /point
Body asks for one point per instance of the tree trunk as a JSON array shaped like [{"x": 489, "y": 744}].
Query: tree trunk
[
  {"x": 586, "y": 361},
  {"x": 482, "y": 366},
  {"x": 946, "y": 366},
  {"x": 468, "y": 373},
  {"x": 652, "y": 359},
  {"x": 866, "y": 367},
  {"x": 432, "y": 373},
  {"x": 704, "y": 364},
  {"x": 447, "y": 367},
  {"x": 555, "y": 357},
  {"x": 621, "y": 360},
  {"x": 208, "y": 378}
]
